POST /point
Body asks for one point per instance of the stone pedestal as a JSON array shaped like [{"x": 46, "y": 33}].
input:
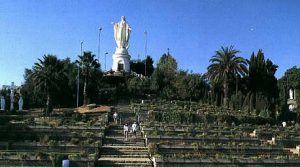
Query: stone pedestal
[
  {"x": 121, "y": 60},
  {"x": 292, "y": 104}
]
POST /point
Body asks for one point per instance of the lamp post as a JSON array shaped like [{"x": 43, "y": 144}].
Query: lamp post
[
  {"x": 145, "y": 52},
  {"x": 105, "y": 59},
  {"x": 100, "y": 29},
  {"x": 77, "y": 84},
  {"x": 78, "y": 69}
]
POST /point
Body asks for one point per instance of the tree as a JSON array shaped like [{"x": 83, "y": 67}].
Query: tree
[
  {"x": 68, "y": 87},
  {"x": 46, "y": 75},
  {"x": 64, "y": 96},
  {"x": 149, "y": 65},
  {"x": 224, "y": 63},
  {"x": 291, "y": 79},
  {"x": 189, "y": 86},
  {"x": 30, "y": 96},
  {"x": 138, "y": 87},
  {"x": 163, "y": 76},
  {"x": 139, "y": 66},
  {"x": 197, "y": 87},
  {"x": 89, "y": 65},
  {"x": 262, "y": 83}
]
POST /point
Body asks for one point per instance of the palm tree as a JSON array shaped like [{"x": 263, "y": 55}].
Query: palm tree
[
  {"x": 88, "y": 65},
  {"x": 224, "y": 63},
  {"x": 46, "y": 75}
]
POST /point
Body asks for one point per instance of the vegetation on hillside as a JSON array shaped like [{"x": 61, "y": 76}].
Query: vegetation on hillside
[{"x": 231, "y": 81}]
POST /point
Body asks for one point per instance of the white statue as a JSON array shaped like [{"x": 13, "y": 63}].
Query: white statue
[
  {"x": 122, "y": 33},
  {"x": 2, "y": 103},
  {"x": 11, "y": 99},
  {"x": 284, "y": 124},
  {"x": 12, "y": 93},
  {"x": 291, "y": 92},
  {"x": 20, "y": 102}
]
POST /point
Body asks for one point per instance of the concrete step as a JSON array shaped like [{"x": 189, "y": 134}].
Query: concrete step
[
  {"x": 124, "y": 160},
  {"x": 124, "y": 144},
  {"x": 123, "y": 150},
  {"x": 130, "y": 141},
  {"x": 130, "y": 138},
  {"x": 116, "y": 151},
  {"x": 117, "y": 126},
  {"x": 118, "y": 132},
  {"x": 125, "y": 147},
  {"x": 114, "y": 164},
  {"x": 121, "y": 136},
  {"x": 140, "y": 155}
]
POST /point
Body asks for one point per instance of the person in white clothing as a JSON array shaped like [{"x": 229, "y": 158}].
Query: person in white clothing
[
  {"x": 134, "y": 128},
  {"x": 115, "y": 116},
  {"x": 125, "y": 131}
]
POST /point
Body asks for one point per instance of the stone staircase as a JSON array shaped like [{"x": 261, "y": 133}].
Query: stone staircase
[{"x": 118, "y": 152}]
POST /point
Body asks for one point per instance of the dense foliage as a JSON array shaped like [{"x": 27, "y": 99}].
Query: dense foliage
[
  {"x": 290, "y": 80},
  {"x": 231, "y": 81},
  {"x": 262, "y": 83},
  {"x": 90, "y": 67},
  {"x": 224, "y": 64},
  {"x": 139, "y": 66}
]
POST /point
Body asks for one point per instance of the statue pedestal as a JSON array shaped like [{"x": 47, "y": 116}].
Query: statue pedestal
[
  {"x": 292, "y": 104},
  {"x": 121, "y": 60}
]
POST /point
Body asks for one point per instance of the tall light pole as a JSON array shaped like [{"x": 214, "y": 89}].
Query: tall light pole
[
  {"x": 146, "y": 52},
  {"x": 78, "y": 84},
  {"x": 105, "y": 59},
  {"x": 100, "y": 29},
  {"x": 81, "y": 48},
  {"x": 78, "y": 69}
]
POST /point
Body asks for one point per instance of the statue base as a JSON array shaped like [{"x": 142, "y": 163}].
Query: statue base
[
  {"x": 121, "y": 60},
  {"x": 292, "y": 103}
]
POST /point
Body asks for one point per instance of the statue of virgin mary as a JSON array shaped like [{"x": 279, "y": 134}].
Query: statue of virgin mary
[{"x": 122, "y": 33}]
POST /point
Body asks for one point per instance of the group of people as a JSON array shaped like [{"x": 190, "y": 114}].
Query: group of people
[
  {"x": 134, "y": 128},
  {"x": 127, "y": 129}
]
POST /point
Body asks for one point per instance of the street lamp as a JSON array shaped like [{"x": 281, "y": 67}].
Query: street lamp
[
  {"x": 100, "y": 29},
  {"x": 105, "y": 59},
  {"x": 145, "y": 52},
  {"x": 78, "y": 69}
]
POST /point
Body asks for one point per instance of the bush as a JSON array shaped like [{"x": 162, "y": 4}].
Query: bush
[
  {"x": 152, "y": 149},
  {"x": 53, "y": 143},
  {"x": 44, "y": 139},
  {"x": 75, "y": 141},
  {"x": 41, "y": 156}
]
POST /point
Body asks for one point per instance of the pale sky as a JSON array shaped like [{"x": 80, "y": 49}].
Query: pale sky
[{"x": 192, "y": 29}]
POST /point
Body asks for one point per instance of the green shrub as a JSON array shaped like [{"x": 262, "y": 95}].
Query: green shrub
[
  {"x": 75, "y": 141},
  {"x": 53, "y": 143},
  {"x": 152, "y": 149},
  {"x": 41, "y": 156},
  {"x": 44, "y": 139}
]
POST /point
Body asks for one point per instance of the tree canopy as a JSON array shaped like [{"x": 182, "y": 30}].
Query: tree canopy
[{"x": 224, "y": 63}]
